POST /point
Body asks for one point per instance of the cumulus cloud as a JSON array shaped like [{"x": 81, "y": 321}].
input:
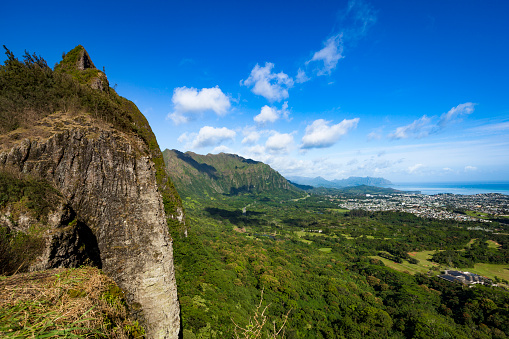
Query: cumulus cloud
[
  {"x": 187, "y": 101},
  {"x": 330, "y": 54},
  {"x": 271, "y": 86},
  {"x": 251, "y": 136},
  {"x": 211, "y": 136},
  {"x": 267, "y": 114},
  {"x": 184, "y": 137},
  {"x": 320, "y": 135},
  {"x": 222, "y": 149},
  {"x": 257, "y": 151},
  {"x": 414, "y": 168},
  {"x": 454, "y": 114},
  {"x": 470, "y": 168},
  {"x": 279, "y": 142},
  {"x": 417, "y": 129},
  {"x": 271, "y": 114}
]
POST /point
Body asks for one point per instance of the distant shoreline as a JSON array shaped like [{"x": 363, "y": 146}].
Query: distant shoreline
[{"x": 464, "y": 188}]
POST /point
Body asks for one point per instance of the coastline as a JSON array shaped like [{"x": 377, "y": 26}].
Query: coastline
[{"x": 463, "y": 188}]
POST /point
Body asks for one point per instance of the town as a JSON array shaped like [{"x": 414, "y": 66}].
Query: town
[{"x": 440, "y": 206}]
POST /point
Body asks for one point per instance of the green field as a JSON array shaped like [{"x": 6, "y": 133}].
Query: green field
[
  {"x": 424, "y": 265},
  {"x": 475, "y": 214},
  {"x": 491, "y": 270},
  {"x": 325, "y": 250},
  {"x": 338, "y": 210},
  {"x": 488, "y": 270}
]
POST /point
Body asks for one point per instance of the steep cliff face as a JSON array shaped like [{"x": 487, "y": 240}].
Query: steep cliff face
[
  {"x": 109, "y": 181},
  {"x": 115, "y": 205}
]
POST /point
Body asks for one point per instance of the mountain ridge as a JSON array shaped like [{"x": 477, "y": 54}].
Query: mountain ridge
[
  {"x": 224, "y": 174},
  {"x": 339, "y": 183}
]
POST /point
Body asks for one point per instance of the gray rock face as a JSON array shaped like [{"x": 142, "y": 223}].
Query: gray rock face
[{"x": 108, "y": 180}]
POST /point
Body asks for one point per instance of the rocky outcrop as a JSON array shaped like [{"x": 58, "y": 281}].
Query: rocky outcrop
[
  {"x": 107, "y": 179},
  {"x": 84, "y": 61}
]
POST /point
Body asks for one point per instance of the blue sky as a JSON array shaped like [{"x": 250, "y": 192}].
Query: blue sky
[{"x": 412, "y": 91}]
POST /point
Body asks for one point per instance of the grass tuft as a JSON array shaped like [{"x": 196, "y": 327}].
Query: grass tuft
[{"x": 64, "y": 303}]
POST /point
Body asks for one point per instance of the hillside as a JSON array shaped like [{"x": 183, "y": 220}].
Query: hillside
[
  {"x": 83, "y": 182},
  {"x": 225, "y": 174}
]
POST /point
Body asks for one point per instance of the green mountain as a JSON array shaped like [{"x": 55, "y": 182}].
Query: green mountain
[{"x": 225, "y": 174}]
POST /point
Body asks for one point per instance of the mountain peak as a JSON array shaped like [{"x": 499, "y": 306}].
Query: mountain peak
[
  {"x": 77, "y": 58},
  {"x": 78, "y": 63}
]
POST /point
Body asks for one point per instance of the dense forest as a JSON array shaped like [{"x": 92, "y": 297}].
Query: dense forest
[{"x": 318, "y": 271}]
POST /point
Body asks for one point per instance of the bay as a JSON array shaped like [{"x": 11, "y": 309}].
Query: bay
[{"x": 464, "y": 188}]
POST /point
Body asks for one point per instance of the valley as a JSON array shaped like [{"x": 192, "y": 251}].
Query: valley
[{"x": 338, "y": 271}]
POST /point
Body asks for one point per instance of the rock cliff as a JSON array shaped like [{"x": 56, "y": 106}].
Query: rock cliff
[{"x": 115, "y": 202}]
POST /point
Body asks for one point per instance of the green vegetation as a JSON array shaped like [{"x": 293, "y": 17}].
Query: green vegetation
[
  {"x": 333, "y": 283},
  {"x": 72, "y": 303},
  {"x": 23, "y": 195},
  {"x": 31, "y": 194},
  {"x": 225, "y": 174}
]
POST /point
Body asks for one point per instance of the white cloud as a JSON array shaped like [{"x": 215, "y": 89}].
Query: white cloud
[
  {"x": 267, "y": 114},
  {"x": 222, "y": 149},
  {"x": 184, "y": 137},
  {"x": 329, "y": 54},
  {"x": 251, "y": 136},
  {"x": 271, "y": 86},
  {"x": 424, "y": 126},
  {"x": 414, "y": 168},
  {"x": 257, "y": 151},
  {"x": 178, "y": 118},
  {"x": 279, "y": 142},
  {"x": 211, "y": 136},
  {"x": 417, "y": 129},
  {"x": 320, "y": 135},
  {"x": 454, "y": 113},
  {"x": 271, "y": 114},
  {"x": 470, "y": 168},
  {"x": 192, "y": 101},
  {"x": 301, "y": 77},
  {"x": 374, "y": 136}
]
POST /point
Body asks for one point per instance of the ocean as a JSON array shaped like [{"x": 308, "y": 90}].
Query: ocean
[{"x": 464, "y": 188}]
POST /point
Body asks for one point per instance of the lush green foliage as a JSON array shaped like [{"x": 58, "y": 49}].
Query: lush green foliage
[
  {"x": 478, "y": 252},
  {"x": 36, "y": 197},
  {"x": 225, "y": 174},
  {"x": 313, "y": 260}
]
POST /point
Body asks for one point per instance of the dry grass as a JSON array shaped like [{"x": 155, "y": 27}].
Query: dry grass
[{"x": 64, "y": 303}]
